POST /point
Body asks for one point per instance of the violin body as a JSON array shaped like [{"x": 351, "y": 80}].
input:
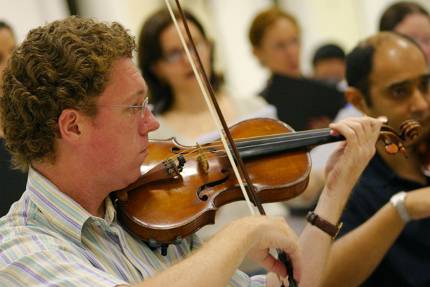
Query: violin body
[
  {"x": 182, "y": 187},
  {"x": 174, "y": 199}
]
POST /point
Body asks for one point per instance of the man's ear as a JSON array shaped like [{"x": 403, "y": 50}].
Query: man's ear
[
  {"x": 69, "y": 124},
  {"x": 355, "y": 97}
]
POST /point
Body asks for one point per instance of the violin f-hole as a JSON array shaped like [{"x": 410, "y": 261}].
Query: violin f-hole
[{"x": 202, "y": 192}]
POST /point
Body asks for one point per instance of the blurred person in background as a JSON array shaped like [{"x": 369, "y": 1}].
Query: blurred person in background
[
  {"x": 410, "y": 19},
  {"x": 328, "y": 64},
  {"x": 12, "y": 182},
  {"x": 7, "y": 44},
  {"x": 173, "y": 87},
  {"x": 302, "y": 103}
]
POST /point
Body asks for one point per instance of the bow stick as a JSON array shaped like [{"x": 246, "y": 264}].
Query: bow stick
[{"x": 226, "y": 138}]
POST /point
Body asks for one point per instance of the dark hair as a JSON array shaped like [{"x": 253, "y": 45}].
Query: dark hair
[
  {"x": 4, "y": 25},
  {"x": 395, "y": 14},
  {"x": 359, "y": 62},
  {"x": 64, "y": 64},
  {"x": 150, "y": 51},
  {"x": 328, "y": 51},
  {"x": 264, "y": 20}
]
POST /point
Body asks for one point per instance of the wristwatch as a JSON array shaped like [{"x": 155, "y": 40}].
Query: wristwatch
[
  {"x": 398, "y": 201},
  {"x": 323, "y": 224}
]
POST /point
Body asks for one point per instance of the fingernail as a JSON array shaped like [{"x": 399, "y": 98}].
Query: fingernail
[{"x": 383, "y": 119}]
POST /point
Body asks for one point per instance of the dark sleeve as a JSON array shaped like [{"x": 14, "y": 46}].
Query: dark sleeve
[{"x": 12, "y": 182}]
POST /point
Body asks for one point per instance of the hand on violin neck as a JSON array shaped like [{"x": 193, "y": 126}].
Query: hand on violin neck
[
  {"x": 349, "y": 160},
  {"x": 347, "y": 163}
]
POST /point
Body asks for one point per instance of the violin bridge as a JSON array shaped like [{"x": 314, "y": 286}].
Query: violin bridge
[
  {"x": 171, "y": 168},
  {"x": 202, "y": 161}
]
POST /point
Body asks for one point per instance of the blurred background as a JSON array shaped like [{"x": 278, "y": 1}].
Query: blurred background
[{"x": 341, "y": 21}]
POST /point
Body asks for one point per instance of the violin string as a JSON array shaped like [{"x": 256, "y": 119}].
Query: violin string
[
  {"x": 283, "y": 137},
  {"x": 272, "y": 140},
  {"x": 221, "y": 152},
  {"x": 292, "y": 136},
  {"x": 279, "y": 138},
  {"x": 308, "y": 134}
]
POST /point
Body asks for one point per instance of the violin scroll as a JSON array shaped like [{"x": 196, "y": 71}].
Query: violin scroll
[
  {"x": 394, "y": 142},
  {"x": 410, "y": 130}
]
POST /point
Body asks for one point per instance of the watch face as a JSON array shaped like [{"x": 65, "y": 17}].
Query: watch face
[{"x": 398, "y": 201}]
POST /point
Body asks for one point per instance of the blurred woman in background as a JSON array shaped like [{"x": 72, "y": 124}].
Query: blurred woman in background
[
  {"x": 177, "y": 100},
  {"x": 410, "y": 19},
  {"x": 302, "y": 103}
]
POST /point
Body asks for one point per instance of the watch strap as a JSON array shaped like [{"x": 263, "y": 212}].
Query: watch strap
[{"x": 323, "y": 224}]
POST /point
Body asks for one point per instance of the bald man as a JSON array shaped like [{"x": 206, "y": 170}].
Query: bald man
[{"x": 385, "y": 225}]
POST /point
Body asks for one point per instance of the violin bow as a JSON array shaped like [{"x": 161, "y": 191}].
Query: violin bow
[{"x": 223, "y": 130}]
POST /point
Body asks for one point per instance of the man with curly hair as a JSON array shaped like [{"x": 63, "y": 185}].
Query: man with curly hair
[{"x": 75, "y": 116}]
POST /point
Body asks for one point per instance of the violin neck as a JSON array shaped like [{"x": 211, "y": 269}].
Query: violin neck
[{"x": 302, "y": 140}]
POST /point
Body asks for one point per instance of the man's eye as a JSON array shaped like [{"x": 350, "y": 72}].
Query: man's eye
[
  {"x": 400, "y": 91},
  {"x": 137, "y": 108},
  {"x": 173, "y": 55},
  {"x": 133, "y": 109}
]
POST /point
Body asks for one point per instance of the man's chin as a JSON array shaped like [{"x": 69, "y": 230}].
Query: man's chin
[
  {"x": 136, "y": 175},
  {"x": 131, "y": 178}
]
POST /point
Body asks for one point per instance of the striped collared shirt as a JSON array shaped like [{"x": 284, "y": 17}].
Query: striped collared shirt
[{"x": 47, "y": 239}]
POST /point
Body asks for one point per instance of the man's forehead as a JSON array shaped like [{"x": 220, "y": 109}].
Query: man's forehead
[
  {"x": 125, "y": 82},
  {"x": 139, "y": 94},
  {"x": 397, "y": 59}
]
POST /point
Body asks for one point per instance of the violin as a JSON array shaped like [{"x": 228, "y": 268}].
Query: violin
[{"x": 182, "y": 187}]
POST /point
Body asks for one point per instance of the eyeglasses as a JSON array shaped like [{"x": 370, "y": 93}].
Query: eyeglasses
[
  {"x": 176, "y": 55},
  {"x": 133, "y": 109},
  {"x": 284, "y": 45},
  {"x": 406, "y": 88}
]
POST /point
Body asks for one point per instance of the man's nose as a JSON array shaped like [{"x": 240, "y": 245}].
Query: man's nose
[{"x": 148, "y": 123}]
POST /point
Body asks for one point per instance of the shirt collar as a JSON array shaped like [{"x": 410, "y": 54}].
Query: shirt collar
[{"x": 61, "y": 211}]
